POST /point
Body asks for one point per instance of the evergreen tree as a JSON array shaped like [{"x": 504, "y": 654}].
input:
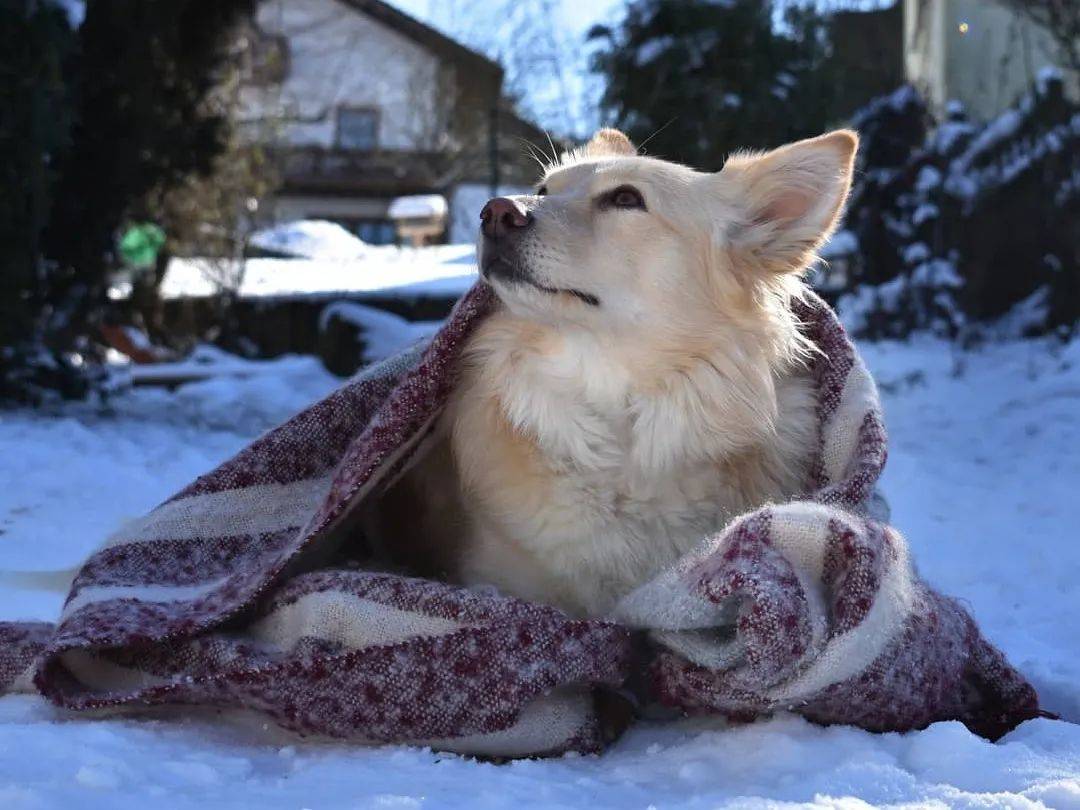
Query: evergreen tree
[
  {"x": 698, "y": 78},
  {"x": 35, "y": 41},
  {"x": 136, "y": 83},
  {"x": 146, "y": 74}
]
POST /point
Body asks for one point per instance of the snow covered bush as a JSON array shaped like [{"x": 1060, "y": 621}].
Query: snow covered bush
[{"x": 954, "y": 226}]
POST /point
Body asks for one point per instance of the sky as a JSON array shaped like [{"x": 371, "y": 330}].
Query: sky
[
  {"x": 560, "y": 96},
  {"x": 576, "y": 15}
]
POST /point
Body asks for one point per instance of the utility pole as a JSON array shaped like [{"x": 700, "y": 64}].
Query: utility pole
[{"x": 493, "y": 148}]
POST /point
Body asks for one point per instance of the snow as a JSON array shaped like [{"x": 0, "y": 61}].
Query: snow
[
  {"x": 899, "y": 100},
  {"x": 651, "y": 49},
  {"x": 949, "y": 133},
  {"x": 916, "y": 253},
  {"x": 966, "y": 179},
  {"x": 981, "y": 479},
  {"x": 437, "y": 270},
  {"x": 310, "y": 239},
  {"x": 419, "y": 206},
  {"x": 75, "y": 10},
  {"x": 1046, "y": 76},
  {"x": 207, "y": 362},
  {"x": 937, "y": 273},
  {"x": 925, "y": 212},
  {"x": 929, "y": 179},
  {"x": 383, "y": 333},
  {"x": 841, "y": 243},
  {"x": 1028, "y": 316}
]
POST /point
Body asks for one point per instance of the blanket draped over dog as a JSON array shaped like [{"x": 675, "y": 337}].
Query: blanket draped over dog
[{"x": 235, "y": 593}]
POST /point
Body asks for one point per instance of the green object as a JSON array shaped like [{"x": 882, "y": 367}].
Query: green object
[{"x": 140, "y": 245}]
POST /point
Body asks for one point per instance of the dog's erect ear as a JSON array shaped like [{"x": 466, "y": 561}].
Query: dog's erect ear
[
  {"x": 792, "y": 197},
  {"x": 610, "y": 142}
]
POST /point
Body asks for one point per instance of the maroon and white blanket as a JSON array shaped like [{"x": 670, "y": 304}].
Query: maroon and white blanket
[{"x": 247, "y": 590}]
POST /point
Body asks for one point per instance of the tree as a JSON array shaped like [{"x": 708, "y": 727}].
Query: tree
[
  {"x": 135, "y": 83},
  {"x": 954, "y": 227},
  {"x": 214, "y": 213},
  {"x": 1061, "y": 21},
  {"x": 697, "y": 79},
  {"x": 147, "y": 71},
  {"x": 540, "y": 58},
  {"x": 35, "y": 114}
]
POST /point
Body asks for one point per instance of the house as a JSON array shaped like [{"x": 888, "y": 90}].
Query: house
[
  {"x": 364, "y": 104},
  {"x": 979, "y": 52}
]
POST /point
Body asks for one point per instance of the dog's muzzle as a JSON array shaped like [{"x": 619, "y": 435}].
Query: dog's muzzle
[
  {"x": 503, "y": 222},
  {"x": 503, "y": 225}
]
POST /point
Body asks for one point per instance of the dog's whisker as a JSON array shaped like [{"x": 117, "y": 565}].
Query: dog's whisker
[
  {"x": 554, "y": 151},
  {"x": 641, "y": 146},
  {"x": 533, "y": 149}
]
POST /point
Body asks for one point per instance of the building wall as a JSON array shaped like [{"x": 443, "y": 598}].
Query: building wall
[
  {"x": 338, "y": 57},
  {"x": 976, "y": 51},
  {"x": 924, "y": 48},
  {"x": 997, "y": 60}
]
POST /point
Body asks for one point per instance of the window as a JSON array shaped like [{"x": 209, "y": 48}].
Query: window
[{"x": 357, "y": 128}]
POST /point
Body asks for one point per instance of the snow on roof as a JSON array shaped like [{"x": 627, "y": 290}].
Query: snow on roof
[
  {"x": 420, "y": 206},
  {"x": 437, "y": 270},
  {"x": 310, "y": 239}
]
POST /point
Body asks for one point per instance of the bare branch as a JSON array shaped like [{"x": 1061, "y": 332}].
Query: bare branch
[{"x": 1060, "y": 19}]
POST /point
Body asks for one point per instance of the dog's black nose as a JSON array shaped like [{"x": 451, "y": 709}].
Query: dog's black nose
[{"x": 502, "y": 215}]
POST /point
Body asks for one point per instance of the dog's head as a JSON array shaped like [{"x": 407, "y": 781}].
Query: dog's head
[{"x": 615, "y": 241}]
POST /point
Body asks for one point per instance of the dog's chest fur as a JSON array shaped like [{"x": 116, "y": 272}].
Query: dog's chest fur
[{"x": 578, "y": 482}]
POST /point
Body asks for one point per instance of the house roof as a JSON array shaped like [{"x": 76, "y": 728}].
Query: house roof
[{"x": 426, "y": 36}]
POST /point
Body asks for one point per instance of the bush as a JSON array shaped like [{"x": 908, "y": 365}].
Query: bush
[{"x": 955, "y": 227}]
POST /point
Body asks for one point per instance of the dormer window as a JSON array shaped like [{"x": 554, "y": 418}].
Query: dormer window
[{"x": 357, "y": 128}]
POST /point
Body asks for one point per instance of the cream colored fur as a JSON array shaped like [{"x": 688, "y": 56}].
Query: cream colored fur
[{"x": 588, "y": 447}]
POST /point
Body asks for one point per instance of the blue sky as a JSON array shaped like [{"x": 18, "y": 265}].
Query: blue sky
[
  {"x": 576, "y": 15},
  {"x": 564, "y": 104}
]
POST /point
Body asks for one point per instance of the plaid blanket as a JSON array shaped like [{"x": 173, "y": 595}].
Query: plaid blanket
[{"x": 247, "y": 589}]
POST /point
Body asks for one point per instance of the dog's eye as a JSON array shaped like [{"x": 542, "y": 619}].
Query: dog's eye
[
  {"x": 542, "y": 191},
  {"x": 622, "y": 197}
]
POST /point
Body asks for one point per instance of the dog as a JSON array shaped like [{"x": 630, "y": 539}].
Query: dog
[{"x": 642, "y": 381}]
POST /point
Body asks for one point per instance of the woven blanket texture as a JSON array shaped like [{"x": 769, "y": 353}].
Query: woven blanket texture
[{"x": 233, "y": 594}]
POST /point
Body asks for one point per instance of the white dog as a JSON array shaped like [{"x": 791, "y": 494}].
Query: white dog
[{"x": 642, "y": 381}]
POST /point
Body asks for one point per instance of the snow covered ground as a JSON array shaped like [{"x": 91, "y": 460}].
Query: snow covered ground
[
  {"x": 436, "y": 270},
  {"x": 310, "y": 239},
  {"x": 982, "y": 479}
]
